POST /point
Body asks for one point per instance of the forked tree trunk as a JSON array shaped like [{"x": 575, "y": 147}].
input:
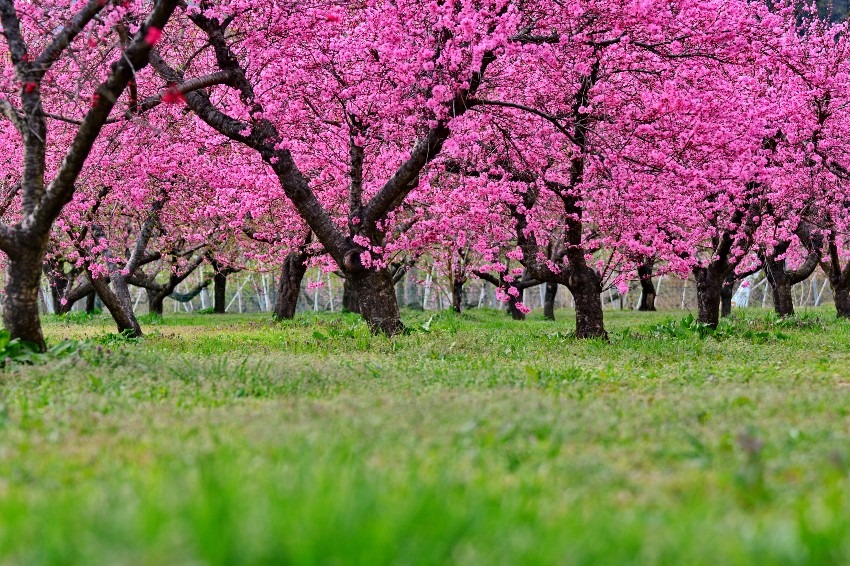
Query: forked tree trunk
[
  {"x": 586, "y": 287},
  {"x": 457, "y": 295},
  {"x": 781, "y": 279},
  {"x": 549, "y": 300},
  {"x": 289, "y": 286},
  {"x": 647, "y": 298},
  {"x": 20, "y": 308},
  {"x": 726, "y": 294},
  {"x": 219, "y": 292},
  {"x": 376, "y": 297},
  {"x": 709, "y": 283},
  {"x": 120, "y": 306},
  {"x": 350, "y": 302},
  {"x": 72, "y": 296}
]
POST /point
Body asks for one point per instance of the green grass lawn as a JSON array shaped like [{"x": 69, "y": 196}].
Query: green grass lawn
[{"x": 472, "y": 440}]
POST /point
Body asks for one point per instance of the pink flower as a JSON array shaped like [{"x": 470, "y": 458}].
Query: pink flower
[
  {"x": 172, "y": 95},
  {"x": 153, "y": 35}
]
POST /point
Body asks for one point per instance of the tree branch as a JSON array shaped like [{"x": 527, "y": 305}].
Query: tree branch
[{"x": 133, "y": 58}]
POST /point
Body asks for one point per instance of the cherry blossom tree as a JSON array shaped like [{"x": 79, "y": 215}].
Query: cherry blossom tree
[
  {"x": 346, "y": 105},
  {"x": 77, "y": 60}
]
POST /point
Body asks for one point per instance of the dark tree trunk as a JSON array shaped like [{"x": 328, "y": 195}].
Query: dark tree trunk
[
  {"x": 783, "y": 302},
  {"x": 709, "y": 283},
  {"x": 586, "y": 287},
  {"x": 842, "y": 300},
  {"x": 350, "y": 301},
  {"x": 73, "y": 295},
  {"x": 119, "y": 305},
  {"x": 647, "y": 299},
  {"x": 90, "y": 302},
  {"x": 156, "y": 302},
  {"x": 726, "y": 294},
  {"x": 58, "y": 283},
  {"x": 377, "y": 300},
  {"x": 457, "y": 295},
  {"x": 780, "y": 286},
  {"x": 127, "y": 322},
  {"x": 20, "y": 312},
  {"x": 549, "y": 300},
  {"x": 512, "y": 309},
  {"x": 289, "y": 286},
  {"x": 781, "y": 279},
  {"x": 59, "y": 308},
  {"x": 117, "y": 299},
  {"x": 219, "y": 292}
]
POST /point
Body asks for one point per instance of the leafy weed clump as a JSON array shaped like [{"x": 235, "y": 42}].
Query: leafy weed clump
[
  {"x": 757, "y": 331},
  {"x": 19, "y": 351}
]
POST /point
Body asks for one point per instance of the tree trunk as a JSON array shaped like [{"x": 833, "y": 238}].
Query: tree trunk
[
  {"x": 376, "y": 297},
  {"x": 709, "y": 283},
  {"x": 512, "y": 309},
  {"x": 647, "y": 299},
  {"x": 549, "y": 301},
  {"x": 20, "y": 312},
  {"x": 219, "y": 292},
  {"x": 90, "y": 302},
  {"x": 350, "y": 301},
  {"x": 586, "y": 287},
  {"x": 127, "y": 322},
  {"x": 780, "y": 285},
  {"x": 59, "y": 308},
  {"x": 156, "y": 302},
  {"x": 841, "y": 296},
  {"x": 289, "y": 286},
  {"x": 120, "y": 306},
  {"x": 726, "y": 294},
  {"x": 783, "y": 303},
  {"x": 780, "y": 282},
  {"x": 58, "y": 284},
  {"x": 73, "y": 295},
  {"x": 457, "y": 295}
]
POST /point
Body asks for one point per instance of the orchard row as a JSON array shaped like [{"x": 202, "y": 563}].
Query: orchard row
[{"x": 584, "y": 143}]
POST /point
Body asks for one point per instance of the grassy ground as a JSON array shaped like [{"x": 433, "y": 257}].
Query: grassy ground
[{"x": 473, "y": 440}]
